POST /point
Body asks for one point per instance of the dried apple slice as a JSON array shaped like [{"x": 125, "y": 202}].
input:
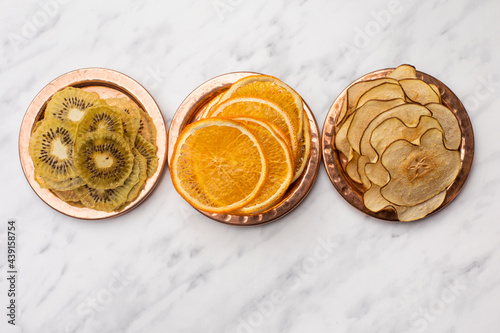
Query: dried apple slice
[
  {"x": 377, "y": 174},
  {"x": 409, "y": 114},
  {"x": 352, "y": 168},
  {"x": 436, "y": 90},
  {"x": 394, "y": 129},
  {"x": 386, "y": 133},
  {"x": 341, "y": 142},
  {"x": 364, "y": 115},
  {"x": 403, "y": 72},
  {"x": 419, "y": 92},
  {"x": 419, "y": 172},
  {"x": 449, "y": 122},
  {"x": 355, "y": 92},
  {"x": 374, "y": 201},
  {"x": 383, "y": 92},
  {"x": 362, "y": 162},
  {"x": 412, "y": 213}
]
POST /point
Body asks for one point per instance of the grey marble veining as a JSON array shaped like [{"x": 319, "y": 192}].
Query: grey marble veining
[{"x": 325, "y": 267}]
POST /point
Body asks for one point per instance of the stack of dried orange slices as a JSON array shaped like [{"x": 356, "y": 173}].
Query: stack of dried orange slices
[
  {"x": 251, "y": 143},
  {"x": 400, "y": 142}
]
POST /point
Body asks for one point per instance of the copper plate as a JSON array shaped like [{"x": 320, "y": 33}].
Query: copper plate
[
  {"x": 107, "y": 83},
  {"x": 190, "y": 110},
  {"x": 353, "y": 192}
]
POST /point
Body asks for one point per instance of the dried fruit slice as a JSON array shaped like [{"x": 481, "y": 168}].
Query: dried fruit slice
[
  {"x": 51, "y": 149},
  {"x": 362, "y": 162},
  {"x": 409, "y": 114},
  {"x": 147, "y": 128},
  {"x": 341, "y": 142},
  {"x": 364, "y": 115},
  {"x": 403, "y": 72},
  {"x": 449, "y": 123},
  {"x": 279, "y": 165},
  {"x": 103, "y": 160},
  {"x": 374, "y": 201},
  {"x": 419, "y": 92},
  {"x": 218, "y": 165},
  {"x": 351, "y": 168},
  {"x": 261, "y": 109},
  {"x": 109, "y": 199},
  {"x": 131, "y": 116},
  {"x": 419, "y": 172},
  {"x": 274, "y": 90},
  {"x": 143, "y": 176},
  {"x": 355, "y": 92},
  {"x": 147, "y": 150},
  {"x": 68, "y": 196},
  {"x": 391, "y": 130},
  {"x": 304, "y": 150},
  {"x": 64, "y": 185},
  {"x": 412, "y": 213},
  {"x": 100, "y": 118},
  {"x": 208, "y": 108},
  {"x": 384, "y": 92},
  {"x": 70, "y": 104},
  {"x": 436, "y": 90}
]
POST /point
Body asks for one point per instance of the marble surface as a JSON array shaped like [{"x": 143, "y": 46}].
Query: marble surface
[{"x": 325, "y": 267}]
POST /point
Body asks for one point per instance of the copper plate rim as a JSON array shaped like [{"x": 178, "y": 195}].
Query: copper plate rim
[
  {"x": 91, "y": 77},
  {"x": 188, "y": 112},
  {"x": 351, "y": 192}
]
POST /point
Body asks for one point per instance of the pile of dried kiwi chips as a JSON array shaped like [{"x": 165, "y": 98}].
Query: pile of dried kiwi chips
[
  {"x": 92, "y": 152},
  {"x": 400, "y": 142}
]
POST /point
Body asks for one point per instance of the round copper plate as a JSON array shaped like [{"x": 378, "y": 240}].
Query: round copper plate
[
  {"x": 352, "y": 191},
  {"x": 107, "y": 83},
  {"x": 190, "y": 110}
]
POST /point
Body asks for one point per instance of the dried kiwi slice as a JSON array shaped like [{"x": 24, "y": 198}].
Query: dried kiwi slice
[
  {"x": 51, "y": 149},
  {"x": 149, "y": 152},
  {"x": 103, "y": 159},
  {"x": 64, "y": 185},
  {"x": 100, "y": 118},
  {"x": 109, "y": 199},
  {"x": 131, "y": 116},
  {"x": 143, "y": 175},
  {"x": 68, "y": 196},
  {"x": 147, "y": 128},
  {"x": 70, "y": 104}
]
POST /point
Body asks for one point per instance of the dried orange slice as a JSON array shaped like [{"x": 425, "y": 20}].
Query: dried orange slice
[
  {"x": 279, "y": 165},
  {"x": 270, "y": 88},
  {"x": 304, "y": 150},
  {"x": 261, "y": 109},
  {"x": 218, "y": 165}
]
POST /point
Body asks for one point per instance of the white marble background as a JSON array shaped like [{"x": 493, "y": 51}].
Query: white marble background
[{"x": 325, "y": 267}]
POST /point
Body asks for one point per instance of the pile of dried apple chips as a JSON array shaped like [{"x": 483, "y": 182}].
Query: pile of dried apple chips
[
  {"x": 400, "y": 142},
  {"x": 251, "y": 143}
]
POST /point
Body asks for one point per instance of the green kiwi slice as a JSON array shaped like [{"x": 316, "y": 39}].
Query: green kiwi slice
[
  {"x": 103, "y": 159},
  {"x": 100, "y": 118},
  {"x": 143, "y": 175},
  {"x": 131, "y": 116},
  {"x": 51, "y": 149},
  {"x": 109, "y": 199},
  {"x": 147, "y": 128},
  {"x": 70, "y": 104},
  {"x": 68, "y": 196},
  {"x": 64, "y": 185},
  {"x": 147, "y": 150}
]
